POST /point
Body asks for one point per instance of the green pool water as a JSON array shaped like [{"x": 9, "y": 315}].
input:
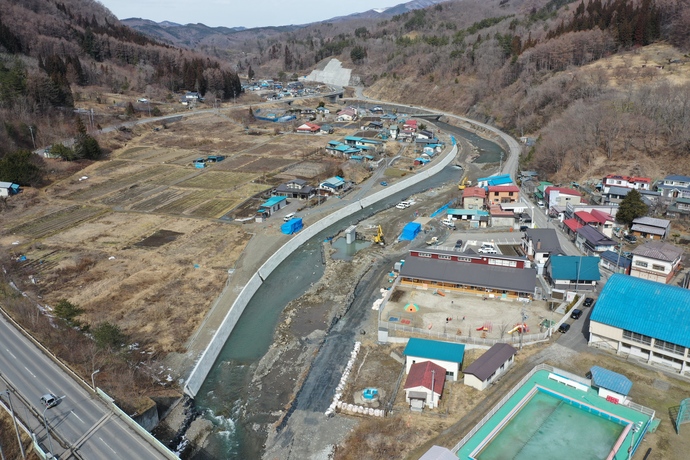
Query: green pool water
[{"x": 549, "y": 428}]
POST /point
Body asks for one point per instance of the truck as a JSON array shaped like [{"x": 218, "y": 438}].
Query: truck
[{"x": 448, "y": 222}]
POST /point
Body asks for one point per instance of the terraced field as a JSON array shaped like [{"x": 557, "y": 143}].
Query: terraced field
[
  {"x": 57, "y": 221},
  {"x": 219, "y": 180},
  {"x": 263, "y": 164},
  {"x": 99, "y": 190},
  {"x": 159, "y": 200},
  {"x": 215, "y": 208},
  {"x": 189, "y": 201}
]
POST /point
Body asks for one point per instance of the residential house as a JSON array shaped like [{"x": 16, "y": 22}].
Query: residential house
[
  {"x": 193, "y": 96},
  {"x": 679, "y": 208},
  {"x": 585, "y": 218},
  {"x": 424, "y": 385},
  {"x": 473, "y": 198},
  {"x": 445, "y": 354},
  {"x": 8, "y": 188},
  {"x": 500, "y": 217},
  {"x": 322, "y": 110},
  {"x": 571, "y": 226},
  {"x": 615, "y": 261},
  {"x": 643, "y": 319},
  {"x": 309, "y": 128},
  {"x": 540, "y": 191},
  {"x": 498, "y": 194},
  {"x": 590, "y": 240},
  {"x": 377, "y": 110},
  {"x": 612, "y": 386},
  {"x": 332, "y": 185},
  {"x": 272, "y": 205},
  {"x": 348, "y": 114},
  {"x": 393, "y": 131},
  {"x": 629, "y": 182},
  {"x": 374, "y": 125},
  {"x": 296, "y": 188},
  {"x": 573, "y": 272},
  {"x": 650, "y": 227},
  {"x": 605, "y": 222},
  {"x": 656, "y": 261},
  {"x": 674, "y": 186},
  {"x": 338, "y": 148},
  {"x": 541, "y": 243},
  {"x": 490, "y": 366},
  {"x": 500, "y": 276},
  {"x": 410, "y": 126},
  {"x": 326, "y": 129},
  {"x": 561, "y": 197},
  {"x": 425, "y": 134},
  {"x": 617, "y": 194}
]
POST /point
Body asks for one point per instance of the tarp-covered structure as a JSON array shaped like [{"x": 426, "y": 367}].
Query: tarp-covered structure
[
  {"x": 410, "y": 231},
  {"x": 292, "y": 226}
]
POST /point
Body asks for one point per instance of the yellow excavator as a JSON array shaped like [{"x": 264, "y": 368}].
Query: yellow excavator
[
  {"x": 463, "y": 183},
  {"x": 378, "y": 239}
]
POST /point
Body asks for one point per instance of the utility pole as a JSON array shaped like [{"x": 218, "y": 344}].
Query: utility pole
[
  {"x": 33, "y": 139},
  {"x": 16, "y": 427}
]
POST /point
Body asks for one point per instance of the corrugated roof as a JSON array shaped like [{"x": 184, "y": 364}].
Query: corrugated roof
[
  {"x": 593, "y": 235},
  {"x": 601, "y": 216},
  {"x": 489, "y": 362},
  {"x": 477, "y": 192},
  {"x": 586, "y": 217},
  {"x": 654, "y": 222},
  {"x": 609, "y": 380},
  {"x": 273, "y": 201},
  {"x": 647, "y": 229},
  {"x": 620, "y": 191},
  {"x": 583, "y": 268},
  {"x": 646, "y": 307},
  {"x": 485, "y": 276},
  {"x": 572, "y": 224},
  {"x": 659, "y": 250},
  {"x": 421, "y": 376},
  {"x": 434, "y": 349},
  {"x": 504, "y": 188}
]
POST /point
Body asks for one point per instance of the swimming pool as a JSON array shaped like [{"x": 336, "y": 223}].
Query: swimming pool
[{"x": 549, "y": 426}]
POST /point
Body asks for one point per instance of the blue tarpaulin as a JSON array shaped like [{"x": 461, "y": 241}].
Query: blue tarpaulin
[
  {"x": 410, "y": 231},
  {"x": 292, "y": 226}
]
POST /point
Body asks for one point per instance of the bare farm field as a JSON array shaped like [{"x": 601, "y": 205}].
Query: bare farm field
[{"x": 81, "y": 238}]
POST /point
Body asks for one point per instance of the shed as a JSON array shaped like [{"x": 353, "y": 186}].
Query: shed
[
  {"x": 8, "y": 188},
  {"x": 272, "y": 205},
  {"x": 424, "y": 385},
  {"x": 489, "y": 366},
  {"x": 410, "y": 231},
  {"x": 611, "y": 385},
  {"x": 292, "y": 226},
  {"x": 446, "y": 354}
]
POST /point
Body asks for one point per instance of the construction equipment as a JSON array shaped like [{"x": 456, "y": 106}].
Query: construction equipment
[
  {"x": 463, "y": 183},
  {"x": 378, "y": 239},
  {"x": 432, "y": 241}
]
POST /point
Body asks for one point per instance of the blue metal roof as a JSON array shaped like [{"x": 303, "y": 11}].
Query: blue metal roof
[
  {"x": 583, "y": 268},
  {"x": 466, "y": 212},
  {"x": 645, "y": 307},
  {"x": 274, "y": 200},
  {"x": 433, "y": 349},
  {"x": 615, "y": 258},
  {"x": 609, "y": 380}
]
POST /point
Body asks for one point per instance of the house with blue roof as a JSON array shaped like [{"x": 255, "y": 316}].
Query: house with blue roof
[
  {"x": 573, "y": 273},
  {"x": 615, "y": 261},
  {"x": 272, "y": 205},
  {"x": 503, "y": 179},
  {"x": 644, "y": 319},
  {"x": 611, "y": 386},
  {"x": 448, "y": 355},
  {"x": 674, "y": 186}
]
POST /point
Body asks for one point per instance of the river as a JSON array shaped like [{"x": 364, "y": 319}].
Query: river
[{"x": 223, "y": 394}]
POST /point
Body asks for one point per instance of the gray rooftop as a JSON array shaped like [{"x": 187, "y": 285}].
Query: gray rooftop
[
  {"x": 649, "y": 229},
  {"x": 659, "y": 250},
  {"x": 663, "y": 223},
  {"x": 489, "y": 362},
  {"x": 548, "y": 238},
  {"x": 593, "y": 235},
  {"x": 486, "y": 276}
]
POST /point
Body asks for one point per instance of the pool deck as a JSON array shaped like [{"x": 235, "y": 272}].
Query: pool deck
[{"x": 587, "y": 397}]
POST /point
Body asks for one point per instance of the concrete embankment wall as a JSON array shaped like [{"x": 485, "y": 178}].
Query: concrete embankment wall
[{"x": 210, "y": 354}]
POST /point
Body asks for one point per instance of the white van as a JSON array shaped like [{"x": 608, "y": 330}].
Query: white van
[
  {"x": 487, "y": 248},
  {"x": 289, "y": 216}
]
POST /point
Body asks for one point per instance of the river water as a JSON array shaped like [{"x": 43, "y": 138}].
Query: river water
[{"x": 223, "y": 394}]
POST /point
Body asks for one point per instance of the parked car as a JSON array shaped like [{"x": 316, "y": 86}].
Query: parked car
[
  {"x": 458, "y": 244},
  {"x": 565, "y": 327},
  {"x": 523, "y": 228},
  {"x": 630, "y": 239},
  {"x": 576, "y": 314},
  {"x": 49, "y": 400},
  {"x": 384, "y": 183},
  {"x": 588, "y": 302}
]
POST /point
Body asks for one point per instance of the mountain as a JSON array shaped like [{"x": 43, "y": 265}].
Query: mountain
[{"x": 387, "y": 13}]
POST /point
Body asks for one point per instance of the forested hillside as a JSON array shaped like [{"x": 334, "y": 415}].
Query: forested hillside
[
  {"x": 528, "y": 66},
  {"x": 50, "y": 50}
]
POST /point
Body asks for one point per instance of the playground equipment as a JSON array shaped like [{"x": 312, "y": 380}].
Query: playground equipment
[
  {"x": 439, "y": 292},
  {"x": 520, "y": 328},
  {"x": 486, "y": 327}
]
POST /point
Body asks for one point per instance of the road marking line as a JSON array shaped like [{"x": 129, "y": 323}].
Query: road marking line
[
  {"x": 106, "y": 444},
  {"x": 73, "y": 413},
  {"x": 11, "y": 354},
  {"x": 27, "y": 369}
]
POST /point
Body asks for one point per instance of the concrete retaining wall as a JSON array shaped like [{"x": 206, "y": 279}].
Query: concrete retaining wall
[{"x": 209, "y": 356}]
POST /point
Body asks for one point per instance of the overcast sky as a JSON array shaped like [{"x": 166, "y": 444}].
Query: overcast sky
[{"x": 247, "y": 13}]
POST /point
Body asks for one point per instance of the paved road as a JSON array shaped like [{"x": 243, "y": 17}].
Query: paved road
[{"x": 80, "y": 420}]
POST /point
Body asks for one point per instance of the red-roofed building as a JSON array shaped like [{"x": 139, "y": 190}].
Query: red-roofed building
[
  {"x": 503, "y": 194},
  {"x": 606, "y": 222},
  {"x": 424, "y": 385},
  {"x": 559, "y": 197},
  {"x": 615, "y": 180},
  {"x": 571, "y": 226},
  {"x": 309, "y": 127},
  {"x": 586, "y": 218},
  {"x": 473, "y": 198}
]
